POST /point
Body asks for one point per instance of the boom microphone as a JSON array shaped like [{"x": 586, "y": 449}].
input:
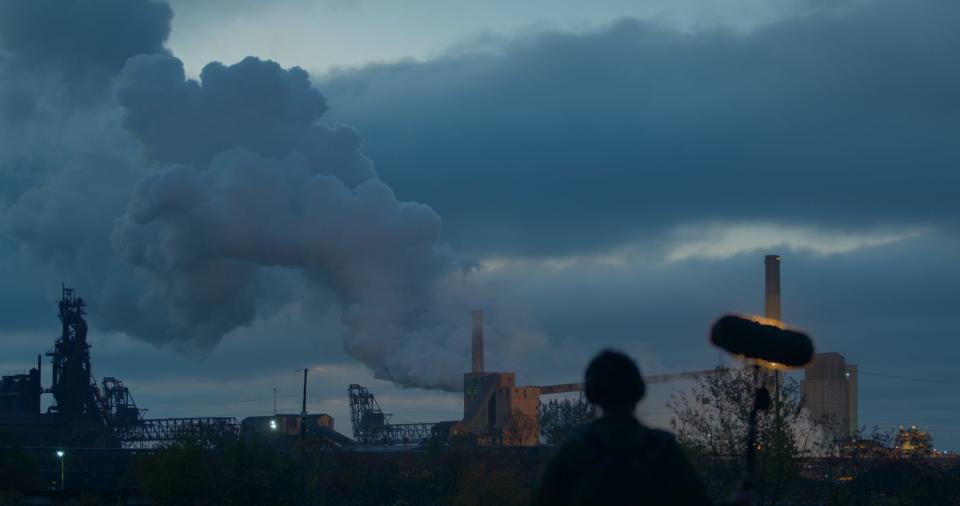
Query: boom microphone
[{"x": 755, "y": 339}]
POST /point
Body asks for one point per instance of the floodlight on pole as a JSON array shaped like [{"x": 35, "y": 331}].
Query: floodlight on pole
[{"x": 60, "y": 455}]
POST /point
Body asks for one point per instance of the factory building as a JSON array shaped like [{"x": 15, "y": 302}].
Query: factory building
[
  {"x": 494, "y": 408},
  {"x": 284, "y": 430},
  {"x": 913, "y": 442},
  {"x": 771, "y": 287},
  {"x": 20, "y": 393},
  {"x": 829, "y": 390},
  {"x": 288, "y": 424},
  {"x": 85, "y": 414},
  {"x": 829, "y": 387}
]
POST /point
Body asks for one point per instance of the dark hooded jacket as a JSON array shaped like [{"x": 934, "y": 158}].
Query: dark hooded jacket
[{"x": 617, "y": 460}]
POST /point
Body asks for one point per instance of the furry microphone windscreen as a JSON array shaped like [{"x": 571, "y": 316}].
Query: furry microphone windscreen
[{"x": 750, "y": 338}]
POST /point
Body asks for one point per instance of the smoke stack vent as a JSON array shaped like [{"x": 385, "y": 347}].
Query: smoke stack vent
[
  {"x": 771, "y": 307},
  {"x": 477, "y": 342}
]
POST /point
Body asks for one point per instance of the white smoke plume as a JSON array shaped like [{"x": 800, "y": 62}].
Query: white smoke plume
[
  {"x": 204, "y": 235},
  {"x": 176, "y": 201}
]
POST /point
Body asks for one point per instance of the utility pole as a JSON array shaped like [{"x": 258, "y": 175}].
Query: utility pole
[
  {"x": 274, "y": 401},
  {"x": 303, "y": 412},
  {"x": 771, "y": 310},
  {"x": 60, "y": 455},
  {"x": 303, "y": 440}
]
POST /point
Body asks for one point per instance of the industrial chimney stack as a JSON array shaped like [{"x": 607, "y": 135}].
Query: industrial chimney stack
[
  {"x": 772, "y": 292},
  {"x": 477, "y": 357}
]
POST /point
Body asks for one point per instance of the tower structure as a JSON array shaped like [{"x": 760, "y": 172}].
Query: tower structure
[
  {"x": 84, "y": 414},
  {"x": 73, "y": 387},
  {"x": 494, "y": 407},
  {"x": 829, "y": 390},
  {"x": 477, "y": 343},
  {"x": 771, "y": 299}
]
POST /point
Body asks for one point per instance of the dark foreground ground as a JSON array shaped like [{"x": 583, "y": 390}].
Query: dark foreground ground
[{"x": 251, "y": 473}]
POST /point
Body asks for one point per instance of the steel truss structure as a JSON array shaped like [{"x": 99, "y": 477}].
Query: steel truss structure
[
  {"x": 149, "y": 432},
  {"x": 85, "y": 414},
  {"x": 372, "y": 426},
  {"x": 409, "y": 433}
]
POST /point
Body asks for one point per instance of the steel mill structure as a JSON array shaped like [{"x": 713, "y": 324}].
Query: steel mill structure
[
  {"x": 494, "y": 408},
  {"x": 829, "y": 387},
  {"x": 371, "y": 426},
  {"x": 829, "y": 391},
  {"x": 913, "y": 442},
  {"x": 290, "y": 430},
  {"x": 85, "y": 414},
  {"x": 501, "y": 413},
  {"x": 496, "y": 411}
]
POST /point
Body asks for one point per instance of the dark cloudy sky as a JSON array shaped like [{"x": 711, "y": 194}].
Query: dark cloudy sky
[{"x": 592, "y": 174}]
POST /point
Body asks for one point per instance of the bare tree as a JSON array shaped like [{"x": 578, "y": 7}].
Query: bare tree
[
  {"x": 711, "y": 420},
  {"x": 521, "y": 431},
  {"x": 559, "y": 418}
]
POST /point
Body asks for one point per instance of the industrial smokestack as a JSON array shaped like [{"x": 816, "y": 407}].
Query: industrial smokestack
[
  {"x": 477, "y": 342},
  {"x": 771, "y": 307}
]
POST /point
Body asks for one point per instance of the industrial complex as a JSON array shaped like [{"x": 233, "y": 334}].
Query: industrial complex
[
  {"x": 496, "y": 410},
  {"x": 85, "y": 414},
  {"x": 829, "y": 385}
]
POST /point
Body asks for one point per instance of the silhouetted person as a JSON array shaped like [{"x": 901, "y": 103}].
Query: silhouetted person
[{"x": 617, "y": 460}]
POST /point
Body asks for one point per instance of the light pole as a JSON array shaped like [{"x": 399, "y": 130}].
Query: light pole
[
  {"x": 60, "y": 455},
  {"x": 303, "y": 441}
]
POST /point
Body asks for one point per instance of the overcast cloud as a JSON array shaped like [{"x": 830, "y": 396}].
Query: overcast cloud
[
  {"x": 609, "y": 183},
  {"x": 568, "y": 142},
  {"x": 190, "y": 208}
]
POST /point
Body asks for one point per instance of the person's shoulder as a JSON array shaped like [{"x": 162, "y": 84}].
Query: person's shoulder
[
  {"x": 660, "y": 435},
  {"x": 580, "y": 438},
  {"x": 658, "y": 441},
  {"x": 578, "y": 444}
]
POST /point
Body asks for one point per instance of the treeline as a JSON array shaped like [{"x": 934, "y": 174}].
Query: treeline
[
  {"x": 839, "y": 480},
  {"x": 798, "y": 460},
  {"x": 248, "y": 471}
]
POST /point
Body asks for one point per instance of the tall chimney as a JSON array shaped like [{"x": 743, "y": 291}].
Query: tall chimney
[
  {"x": 477, "y": 357},
  {"x": 771, "y": 306}
]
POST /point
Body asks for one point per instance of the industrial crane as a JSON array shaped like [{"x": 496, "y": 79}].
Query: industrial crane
[{"x": 656, "y": 378}]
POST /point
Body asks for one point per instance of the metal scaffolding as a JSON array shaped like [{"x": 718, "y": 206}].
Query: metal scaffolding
[
  {"x": 84, "y": 413},
  {"x": 372, "y": 426},
  {"x": 149, "y": 432}
]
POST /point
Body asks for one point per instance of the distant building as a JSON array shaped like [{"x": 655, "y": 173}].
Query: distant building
[
  {"x": 913, "y": 442},
  {"x": 284, "y": 430},
  {"x": 829, "y": 390},
  {"x": 495, "y": 409},
  {"x": 500, "y": 412},
  {"x": 285, "y": 424},
  {"x": 20, "y": 394}
]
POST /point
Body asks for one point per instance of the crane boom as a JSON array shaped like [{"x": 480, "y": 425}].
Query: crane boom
[{"x": 656, "y": 378}]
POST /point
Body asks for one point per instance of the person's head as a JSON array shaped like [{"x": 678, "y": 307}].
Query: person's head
[{"x": 613, "y": 382}]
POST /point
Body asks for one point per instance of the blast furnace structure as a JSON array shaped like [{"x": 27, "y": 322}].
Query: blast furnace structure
[{"x": 85, "y": 414}]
